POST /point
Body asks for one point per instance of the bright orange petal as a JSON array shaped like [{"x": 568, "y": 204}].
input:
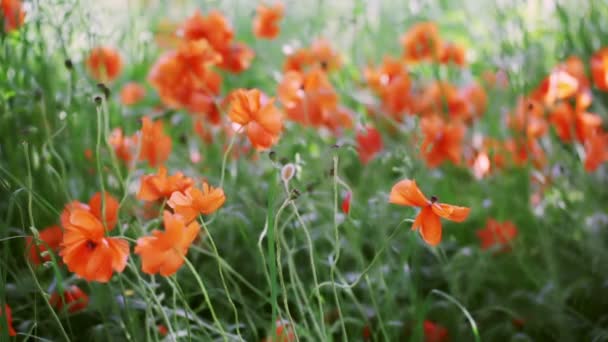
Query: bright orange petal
[
  {"x": 406, "y": 192},
  {"x": 431, "y": 226},
  {"x": 451, "y": 212}
]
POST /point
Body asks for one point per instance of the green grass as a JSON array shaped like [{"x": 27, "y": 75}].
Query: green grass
[{"x": 270, "y": 254}]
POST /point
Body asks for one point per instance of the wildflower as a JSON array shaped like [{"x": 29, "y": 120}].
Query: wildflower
[
  {"x": 596, "y": 151},
  {"x": 442, "y": 98},
  {"x": 237, "y": 57},
  {"x": 13, "y": 14},
  {"x": 85, "y": 248},
  {"x": 214, "y": 27},
  {"x": 369, "y": 143},
  {"x": 434, "y": 332},
  {"x": 599, "y": 68},
  {"x": 73, "y": 298},
  {"x": 298, "y": 60},
  {"x": 346, "y": 203},
  {"x": 476, "y": 100},
  {"x": 569, "y": 121},
  {"x": 257, "y": 114},
  {"x": 192, "y": 202},
  {"x": 104, "y": 63},
  {"x": 442, "y": 140},
  {"x": 160, "y": 185},
  {"x": 422, "y": 42},
  {"x": 265, "y": 24},
  {"x": 407, "y": 193},
  {"x": 453, "y": 53},
  {"x": 132, "y": 93},
  {"x": 164, "y": 252},
  {"x": 324, "y": 55},
  {"x": 162, "y": 329},
  {"x": 497, "y": 234},
  {"x": 392, "y": 83},
  {"x": 9, "y": 320},
  {"x": 124, "y": 146},
  {"x": 50, "y": 238},
  {"x": 284, "y": 332},
  {"x": 155, "y": 144},
  {"x": 528, "y": 119}
]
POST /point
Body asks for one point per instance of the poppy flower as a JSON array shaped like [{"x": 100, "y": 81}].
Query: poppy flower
[
  {"x": 453, "y": 53},
  {"x": 442, "y": 98},
  {"x": 298, "y": 60},
  {"x": 346, "y": 203},
  {"x": 528, "y": 118},
  {"x": 442, "y": 140},
  {"x": 236, "y": 58},
  {"x": 521, "y": 151},
  {"x": 324, "y": 55},
  {"x": 422, "y": 42},
  {"x": 104, "y": 63},
  {"x": 369, "y": 143},
  {"x": 265, "y": 24},
  {"x": 85, "y": 249},
  {"x": 569, "y": 121},
  {"x": 407, "y": 193},
  {"x": 599, "y": 68},
  {"x": 596, "y": 151},
  {"x": 559, "y": 85},
  {"x": 214, "y": 27},
  {"x": 50, "y": 239},
  {"x": 192, "y": 202},
  {"x": 434, "y": 332},
  {"x": 164, "y": 252},
  {"x": 13, "y": 14},
  {"x": 124, "y": 146},
  {"x": 497, "y": 234},
  {"x": 73, "y": 298},
  {"x": 339, "y": 119},
  {"x": 263, "y": 122},
  {"x": 155, "y": 144},
  {"x": 284, "y": 332},
  {"x": 160, "y": 185},
  {"x": 476, "y": 100},
  {"x": 9, "y": 320},
  {"x": 132, "y": 93},
  {"x": 162, "y": 329},
  {"x": 379, "y": 77}
]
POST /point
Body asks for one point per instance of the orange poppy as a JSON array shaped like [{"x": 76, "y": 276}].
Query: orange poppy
[
  {"x": 124, "y": 146},
  {"x": 104, "y": 63},
  {"x": 214, "y": 27},
  {"x": 369, "y": 143},
  {"x": 422, "y": 42},
  {"x": 298, "y": 60},
  {"x": 383, "y": 75},
  {"x": 155, "y": 144},
  {"x": 86, "y": 250},
  {"x": 73, "y": 298},
  {"x": 257, "y": 113},
  {"x": 13, "y": 14},
  {"x": 284, "y": 332},
  {"x": 392, "y": 83},
  {"x": 9, "y": 320},
  {"x": 339, "y": 119},
  {"x": 568, "y": 122},
  {"x": 476, "y": 100},
  {"x": 596, "y": 151},
  {"x": 453, "y": 53},
  {"x": 559, "y": 85},
  {"x": 442, "y": 97},
  {"x": 434, "y": 332},
  {"x": 407, "y": 193},
  {"x": 497, "y": 234},
  {"x": 164, "y": 252},
  {"x": 192, "y": 202},
  {"x": 528, "y": 118},
  {"x": 237, "y": 57},
  {"x": 521, "y": 151},
  {"x": 599, "y": 68},
  {"x": 265, "y": 24},
  {"x": 442, "y": 140},
  {"x": 324, "y": 55},
  {"x": 160, "y": 185},
  {"x": 132, "y": 93},
  {"x": 50, "y": 238}
]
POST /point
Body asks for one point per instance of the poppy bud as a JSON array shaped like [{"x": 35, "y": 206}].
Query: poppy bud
[
  {"x": 295, "y": 193},
  {"x": 346, "y": 203},
  {"x": 272, "y": 155},
  {"x": 287, "y": 172},
  {"x": 97, "y": 99},
  {"x": 68, "y": 64}
]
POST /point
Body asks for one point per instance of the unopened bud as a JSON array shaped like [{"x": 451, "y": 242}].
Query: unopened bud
[{"x": 287, "y": 172}]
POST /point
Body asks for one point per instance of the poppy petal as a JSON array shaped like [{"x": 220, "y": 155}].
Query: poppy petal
[
  {"x": 451, "y": 212},
  {"x": 431, "y": 227},
  {"x": 406, "y": 192}
]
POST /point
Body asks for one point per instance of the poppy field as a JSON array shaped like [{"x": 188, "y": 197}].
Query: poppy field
[{"x": 303, "y": 170}]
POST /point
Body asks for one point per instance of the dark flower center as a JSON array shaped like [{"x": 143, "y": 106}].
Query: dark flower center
[
  {"x": 434, "y": 199},
  {"x": 91, "y": 245}
]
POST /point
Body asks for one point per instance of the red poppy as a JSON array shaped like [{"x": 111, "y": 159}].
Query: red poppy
[
  {"x": 13, "y": 14},
  {"x": 237, "y": 57},
  {"x": 104, "y": 63},
  {"x": 164, "y": 252},
  {"x": 298, "y": 60},
  {"x": 497, "y": 234},
  {"x": 73, "y": 298},
  {"x": 265, "y": 24},
  {"x": 453, "y": 53},
  {"x": 442, "y": 98},
  {"x": 155, "y": 144},
  {"x": 346, "y": 203},
  {"x": 9, "y": 320},
  {"x": 263, "y": 122},
  {"x": 214, "y": 27},
  {"x": 369, "y": 143},
  {"x": 192, "y": 202},
  {"x": 85, "y": 248},
  {"x": 160, "y": 185},
  {"x": 568, "y": 121},
  {"x": 132, "y": 93},
  {"x": 442, "y": 140},
  {"x": 284, "y": 332},
  {"x": 407, "y": 193},
  {"x": 599, "y": 68},
  {"x": 422, "y": 42},
  {"x": 162, "y": 329},
  {"x": 324, "y": 55},
  {"x": 596, "y": 151},
  {"x": 50, "y": 239},
  {"x": 124, "y": 146},
  {"x": 434, "y": 332}
]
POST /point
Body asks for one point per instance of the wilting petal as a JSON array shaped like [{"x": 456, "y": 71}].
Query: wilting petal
[
  {"x": 451, "y": 212},
  {"x": 406, "y": 192}
]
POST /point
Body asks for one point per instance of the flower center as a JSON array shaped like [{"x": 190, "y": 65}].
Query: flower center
[
  {"x": 91, "y": 245},
  {"x": 434, "y": 199}
]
